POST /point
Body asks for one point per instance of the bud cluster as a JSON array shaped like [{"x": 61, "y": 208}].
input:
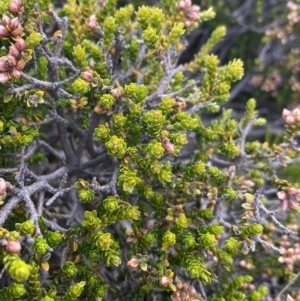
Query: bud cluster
[
  {"x": 190, "y": 11},
  {"x": 288, "y": 298},
  {"x": 10, "y": 27},
  {"x": 291, "y": 117},
  {"x": 289, "y": 198},
  {"x": 291, "y": 255},
  {"x": 12, "y": 64},
  {"x": 184, "y": 292}
]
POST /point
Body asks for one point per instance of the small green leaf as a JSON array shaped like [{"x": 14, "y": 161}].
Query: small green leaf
[
  {"x": 33, "y": 40},
  {"x": 8, "y": 97},
  {"x": 143, "y": 266}
]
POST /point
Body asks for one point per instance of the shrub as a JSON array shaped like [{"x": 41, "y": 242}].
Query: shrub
[{"x": 112, "y": 185}]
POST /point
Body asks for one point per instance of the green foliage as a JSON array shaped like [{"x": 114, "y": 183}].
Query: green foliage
[
  {"x": 17, "y": 268},
  {"x": 108, "y": 159}
]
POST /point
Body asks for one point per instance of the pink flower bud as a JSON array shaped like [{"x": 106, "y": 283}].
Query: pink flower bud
[
  {"x": 101, "y": 3},
  {"x": 286, "y": 113},
  {"x": 193, "y": 16},
  {"x": 281, "y": 195},
  {"x": 15, "y": 73},
  {"x": 292, "y": 191},
  {"x": 13, "y": 51},
  {"x": 116, "y": 93},
  {"x": 291, "y": 6},
  {"x": 290, "y": 120},
  {"x": 3, "y": 32},
  {"x": 251, "y": 287},
  {"x": 2, "y": 186},
  {"x": 11, "y": 61},
  {"x": 133, "y": 263},
  {"x": 184, "y": 4},
  {"x": 13, "y": 246},
  {"x": 5, "y": 20},
  {"x": 92, "y": 22},
  {"x": 193, "y": 12},
  {"x": 296, "y": 114},
  {"x": 284, "y": 204},
  {"x": 164, "y": 281},
  {"x": 13, "y": 24},
  {"x": 293, "y": 204},
  {"x": 243, "y": 263},
  {"x": 20, "y": 44},
  {"x": 17, "y": 32},
  {"x": 185, "y": 286},
  {"x": 20, "y": 65},
  {"x": 188, "y": 23},
  {"x": 4, "y": 78},
  {"x": 15, "y": 7},
  {"x": 179, "y": 285},
  {"x": 183, "y": 296},
  {"x": 175, "y": 297},
  {"x": 87, "y": 76},
  {"x": 289, "y": 298},
  {"x": 3, "y": 65},
  {"x": 169, "y": 147},
  {"x": 192, "y": 291}
]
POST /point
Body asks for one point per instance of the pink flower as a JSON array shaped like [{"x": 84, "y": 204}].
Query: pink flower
[
  {"x": 20, "y": 65},
  {"x": 292, "y": 191},
  {"x": 4, "y": 78},
  {"x": 292, "y": 204},
  {"x": 15, "y": 7},
  {"x": 13, "y": 246},
  {"x": 192, "y": 291},
  {"x": 281, "y": 195},
  {"x": 13, "y": 51},
  {"x": 15, "y": 73},
  {"x": 289, "y": 298},
  {"x": 286, "y": 113},
  {"x": 17, "y": 32},
  {"x": 20, "y": 44},
  {"x": 3, "y": 65},
  {"x": 296, "y": 114},
  {"x": 5, "y": 20},
  {"x": 133, "y": 263},
  {"x": 290, "y": 120},
  {"x": 3, "y": 32},
  {"x": 193, "y": 12},
  {"x": 13, "y": 24},
  {"x": 188, "y": 23},
  {"x": 116, "y": 93},
  {"x": 92, "y": 22},
  {"x": 101, "y": 3},
  {"x": 169, "y": 147},
  {"x": 87, "y": 76},
  {"x": 289, "y": 198},
  {"x": 164, "y": 281},
  {"x": 184, "y": 4},
  {"x": 11, "y": 61}
]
